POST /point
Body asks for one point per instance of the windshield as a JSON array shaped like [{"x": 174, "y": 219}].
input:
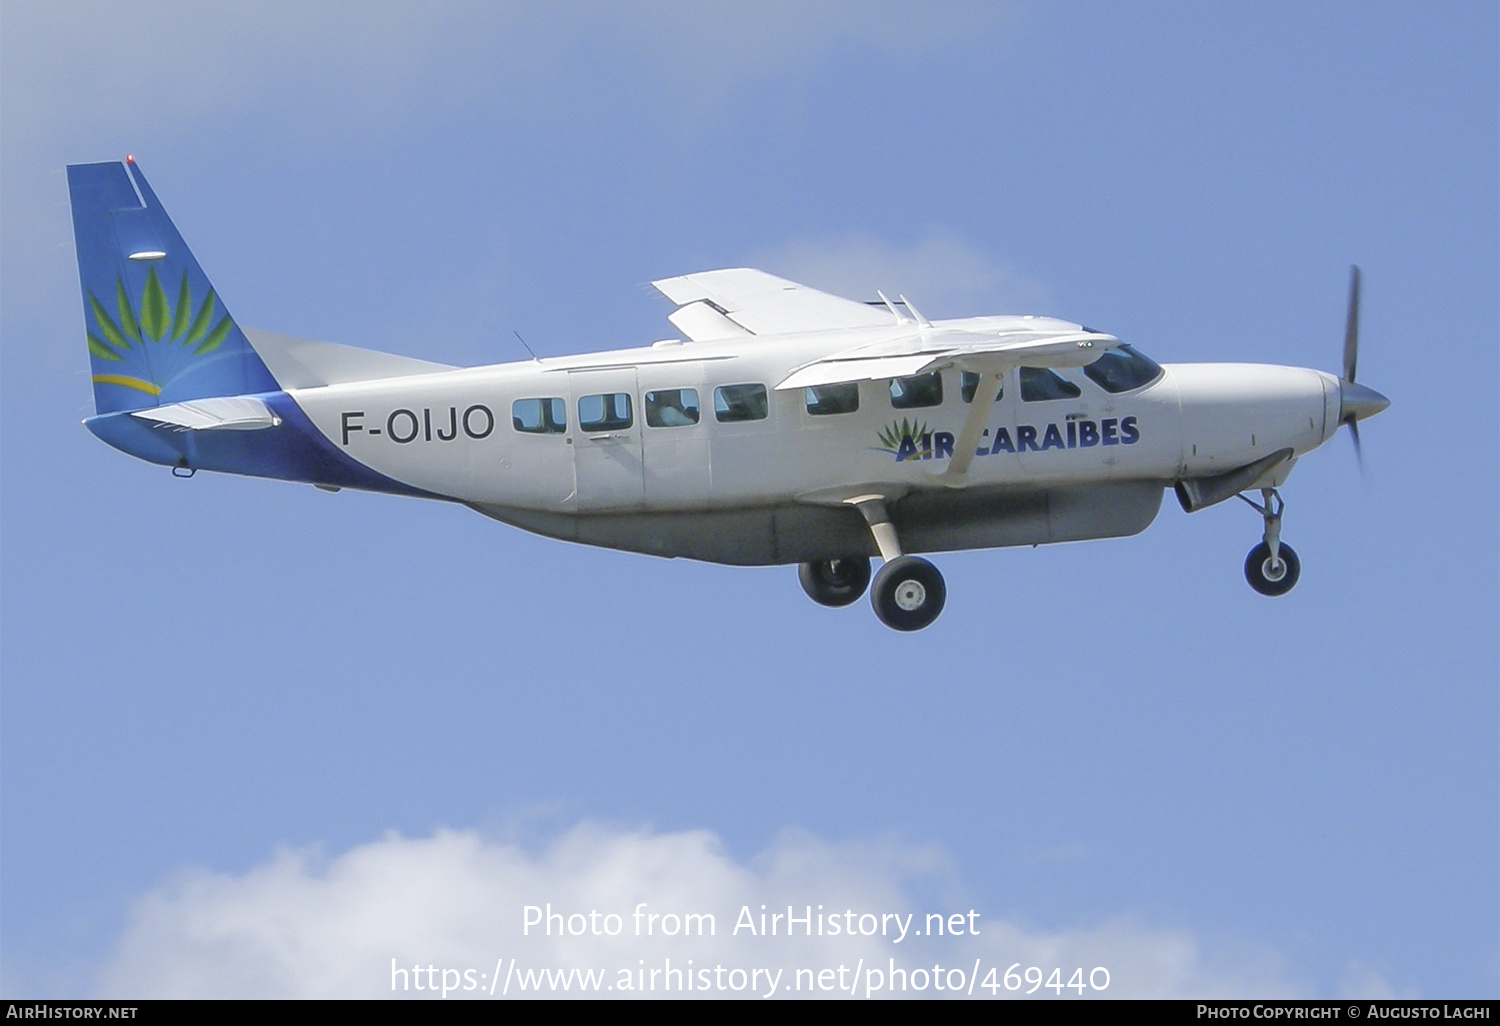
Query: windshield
[{"x": 1122, "y": 369}]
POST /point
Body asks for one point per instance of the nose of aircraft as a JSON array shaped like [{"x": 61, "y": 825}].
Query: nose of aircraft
[{"x": 1356, "y": 402}]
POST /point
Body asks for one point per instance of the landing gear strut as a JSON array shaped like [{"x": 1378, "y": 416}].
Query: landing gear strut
[
  {"x": 909, "y": 592},
  {"x": 1271, "y": 568}
]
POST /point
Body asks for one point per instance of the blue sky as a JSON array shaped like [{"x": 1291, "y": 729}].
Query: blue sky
[{"x": 223, "y": 697}]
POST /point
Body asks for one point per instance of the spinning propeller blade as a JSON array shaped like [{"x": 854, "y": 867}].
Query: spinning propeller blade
[
  {"x": 1351, "y": 326},
  {"x": 1356, "y": 402}
]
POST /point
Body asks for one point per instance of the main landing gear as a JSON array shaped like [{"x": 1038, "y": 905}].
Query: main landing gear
[
  {"x": 1272, "y": 568},
  {"x": 835, "y": 582},
  {"x": 908, "y": 593}
]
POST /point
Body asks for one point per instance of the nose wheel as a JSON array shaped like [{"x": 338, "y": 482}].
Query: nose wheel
[
  {"x": 1271, "y": 568},
  {"x": 1272, "y": 575}
]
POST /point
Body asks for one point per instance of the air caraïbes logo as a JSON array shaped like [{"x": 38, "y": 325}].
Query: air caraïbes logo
[
  {"x": 901, "y": 438},
  {"x": 155, "y": 340},
  {"x": 909, "y": 440}
]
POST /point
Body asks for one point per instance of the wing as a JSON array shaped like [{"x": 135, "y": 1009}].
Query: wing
[
  {"x": 742, "y": 301},
  {"x": 927, "y": 351}
]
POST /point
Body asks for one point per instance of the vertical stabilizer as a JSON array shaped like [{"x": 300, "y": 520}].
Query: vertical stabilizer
[{"x": 157, "y": 331}]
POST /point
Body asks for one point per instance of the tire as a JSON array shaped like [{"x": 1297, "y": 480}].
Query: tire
[
  {"x": 1265, "y": 578},
  {"x": 835, "y": 582},
  {"x": 908, "y": 594}
]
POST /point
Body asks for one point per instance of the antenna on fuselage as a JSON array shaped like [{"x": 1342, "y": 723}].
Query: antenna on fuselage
[{"x": 516, "y": 333}]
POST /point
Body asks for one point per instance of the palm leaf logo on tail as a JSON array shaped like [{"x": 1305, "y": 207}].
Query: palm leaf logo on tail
[{"x": 154, "y": 339}]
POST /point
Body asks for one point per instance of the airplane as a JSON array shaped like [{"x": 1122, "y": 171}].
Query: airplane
[{"x": 786, "y": 427}]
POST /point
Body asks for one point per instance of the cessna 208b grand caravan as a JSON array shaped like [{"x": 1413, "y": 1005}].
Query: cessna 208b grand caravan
[{"x": 789, "y": 427}]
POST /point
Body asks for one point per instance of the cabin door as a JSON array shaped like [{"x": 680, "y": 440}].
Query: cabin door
[{"x": 604, "y": 426}]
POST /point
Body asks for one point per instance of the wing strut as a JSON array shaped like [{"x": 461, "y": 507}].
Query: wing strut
[{"x": 964, "y": 450}]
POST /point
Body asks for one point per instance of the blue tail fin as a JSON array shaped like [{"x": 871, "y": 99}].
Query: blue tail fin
[{"x": 157, "y": 331}]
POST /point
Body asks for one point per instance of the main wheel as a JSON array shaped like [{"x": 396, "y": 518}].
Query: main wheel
[
  {"x": 835, "y": 582},
  {"x": 908, "y": 594},
  {"x": 1270, "y": 578}
]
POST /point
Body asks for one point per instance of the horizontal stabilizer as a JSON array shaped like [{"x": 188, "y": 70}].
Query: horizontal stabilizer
[
  {"x": 302, "y": 363},
  {"x": 226, "y": 413}
]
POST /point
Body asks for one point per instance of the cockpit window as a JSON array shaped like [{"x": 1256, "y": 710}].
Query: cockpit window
[
  {"x": 1039, "y": 384},
  {"x": 915, "y": 393},
  {"x": 1122, "y": 369}
]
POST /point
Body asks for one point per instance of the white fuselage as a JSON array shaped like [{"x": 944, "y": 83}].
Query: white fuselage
[{"x": 452, "y": 433}]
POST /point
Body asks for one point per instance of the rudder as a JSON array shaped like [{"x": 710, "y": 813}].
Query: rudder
[{"x": 157, "y": 331}]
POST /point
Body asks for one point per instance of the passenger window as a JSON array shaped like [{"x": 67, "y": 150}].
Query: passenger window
[
  {"x": 915, "y": 393},
  {"x": 608, "y": 412},
  {"x": 1039, "y": 384},
  {"x": 539, "y": 416},
  {"x": 968, "y": 384},
  {"x": 672, "y": 407},
  {"x": 823, "y": 400},
  {"x": 1121, "y": 369},
  {"x": 740, "y": 402}
]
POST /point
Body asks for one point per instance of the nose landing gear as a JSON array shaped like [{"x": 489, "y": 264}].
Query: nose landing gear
[{"x": 1272, "y": 568}]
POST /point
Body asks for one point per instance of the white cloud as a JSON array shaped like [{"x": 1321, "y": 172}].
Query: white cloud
[
  {"x": 1362, "y": 981},
  {"x": 307, "y": 926},
  {"x": 942, "y": 275},
  {"x": 84, "y": 81}
]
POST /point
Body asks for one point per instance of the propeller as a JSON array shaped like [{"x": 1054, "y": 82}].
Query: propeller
[{"x": 1356, "y": 402}]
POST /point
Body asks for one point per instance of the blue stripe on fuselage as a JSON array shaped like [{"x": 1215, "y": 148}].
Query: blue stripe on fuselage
[{"x": 294, "y": 450}]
